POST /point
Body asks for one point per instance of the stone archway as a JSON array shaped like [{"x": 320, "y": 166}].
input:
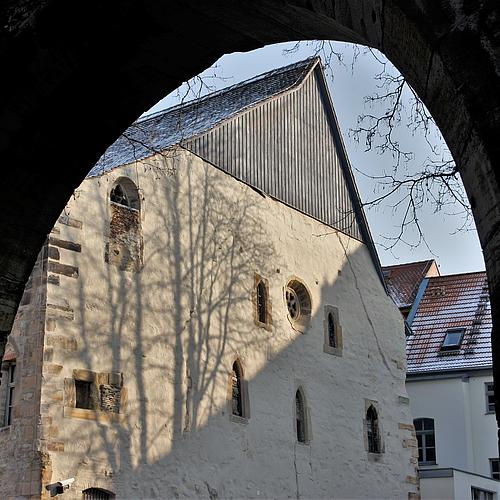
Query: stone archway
[{"x": 76, "y": 75}]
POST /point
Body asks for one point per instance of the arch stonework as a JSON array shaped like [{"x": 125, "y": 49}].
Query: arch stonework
[{"x": 76, "y": 76}]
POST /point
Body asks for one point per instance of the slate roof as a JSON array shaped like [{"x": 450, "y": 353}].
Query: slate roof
[
  {"x": 173, "y": 125},
  {"x": 403, "y": 280},
  {"x": 460, "y": 300}
]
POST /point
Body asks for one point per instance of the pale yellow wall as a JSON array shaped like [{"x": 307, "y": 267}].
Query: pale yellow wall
[{"x": 174, "y": 329}]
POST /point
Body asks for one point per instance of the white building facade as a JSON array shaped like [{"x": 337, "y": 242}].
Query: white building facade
[{"x": 450, "y": 382}]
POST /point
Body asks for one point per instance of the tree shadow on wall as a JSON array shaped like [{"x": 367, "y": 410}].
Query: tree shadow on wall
[{"x": 174, "y": 328}]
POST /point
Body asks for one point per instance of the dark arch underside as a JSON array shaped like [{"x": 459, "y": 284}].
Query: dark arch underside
[{"x": 76, "y": 75}]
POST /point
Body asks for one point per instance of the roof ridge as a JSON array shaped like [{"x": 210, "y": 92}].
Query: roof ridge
[
  {"x": 457, "y": 274},
  {"x": 211, "y": 95},
  {"x": 409, "y": 263}
]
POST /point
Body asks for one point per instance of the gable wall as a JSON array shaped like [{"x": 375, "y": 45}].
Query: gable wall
[
  {"x": 175, "y": 327},
  {"x": 286, "y": 148}
]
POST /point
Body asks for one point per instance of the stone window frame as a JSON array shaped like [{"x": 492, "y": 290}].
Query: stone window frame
[
  {"x": 99, "y": 379},
  {"x": 245, "y": 399},
  {"x": 300, "y": 324},
  {"x": 373, "y": 456},
  {"x": 327, "y": 348},
  {"x": 8, "y": 397},
  {"x": 299, "y": 389},
  {"x": 11, "y": 356},
  {"x": 269, "y": 320}
]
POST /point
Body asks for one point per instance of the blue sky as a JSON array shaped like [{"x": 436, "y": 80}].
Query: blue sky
[{"x": 455, "y": 250}]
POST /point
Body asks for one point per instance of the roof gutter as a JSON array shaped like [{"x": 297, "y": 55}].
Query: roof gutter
[{"x": 446, "y": 374}]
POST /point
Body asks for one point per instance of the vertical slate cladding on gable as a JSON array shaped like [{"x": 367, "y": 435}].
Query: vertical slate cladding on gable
[{"x": 285, "y": 147}]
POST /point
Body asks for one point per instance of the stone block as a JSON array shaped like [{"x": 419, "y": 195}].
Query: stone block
[
  {"x": 64, "y": 269},
  {"x": 50, "y": 324},
  {"x": 403, "y": 400},
  {"x": 410, "y": 443},
  {"x": 52, "y": 369},
  {"x": 29, "y": 382},
  {"x": 28, "y": 433},
  {"x": 53, "y": 279},
  {"x": 54, "y": 253},
  {"x": 67, "y": 245},
  {"x": 55, "y": 446},
  {"x": 115, "y": 378},
  {"x": 48, "y": 354},
  {"x": 408, "y": 427},
  {"x": 63, "y": 342},
  {"x": 69, "y": 221},
  {"x": 60, "y": 310}
]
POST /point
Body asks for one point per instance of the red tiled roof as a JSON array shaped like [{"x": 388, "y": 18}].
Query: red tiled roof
[
  {"x": 403, "y": 280},
  {"x": 460, "y": 300}
]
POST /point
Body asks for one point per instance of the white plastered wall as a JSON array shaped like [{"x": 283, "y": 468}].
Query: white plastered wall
[{"x": 175, "y": 328}]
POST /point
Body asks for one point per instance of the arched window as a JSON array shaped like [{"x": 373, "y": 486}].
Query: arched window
[
  {"x": 97, "y": 494},
  {"x": 332, "y": 331},
  {"x": 372, "y": 430},
  {"x": 332, "y": 340},
  {"x": 125, "y": 193},
  {"x": 124, "y": 247},
  {"x": 236, "y": 395},
  {"x": 118, "y": 195},
  {"x": 424, "y": 429},
  {"x": 300, "y": 417},
  {"x": 261, "y": 302},
  {"x": 238, "y": 400}
]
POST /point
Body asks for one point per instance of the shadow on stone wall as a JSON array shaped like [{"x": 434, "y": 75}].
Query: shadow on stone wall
[{"x": 174, "y": 331}]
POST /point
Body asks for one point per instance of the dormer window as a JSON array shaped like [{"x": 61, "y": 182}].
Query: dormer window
[{"x": 452, "y": 339}]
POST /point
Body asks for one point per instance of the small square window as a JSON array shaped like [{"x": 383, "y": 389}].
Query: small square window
[
  {"x": 490, "y": 397},
  {"x": 84, "y": 396},
  {"x": 452, "y": 339},
  {"x": 495, "y": 468}
]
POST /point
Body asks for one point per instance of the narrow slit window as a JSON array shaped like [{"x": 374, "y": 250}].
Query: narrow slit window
[
  {"x": 261, "y": 302},
  {"x": 11, "y": 378},
  {"x": 372, "y": 430},
  {"x": 237, "y": 403},
  {"x": 300, "y": 417},
  {"x": 332, "y": 337}
]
